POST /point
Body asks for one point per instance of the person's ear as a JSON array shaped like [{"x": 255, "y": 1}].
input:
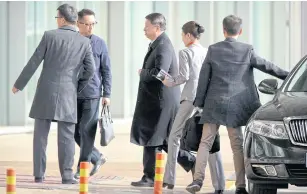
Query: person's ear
[
  {"x": 240, "y": 31},
  {"x": 224, "y": 32}
]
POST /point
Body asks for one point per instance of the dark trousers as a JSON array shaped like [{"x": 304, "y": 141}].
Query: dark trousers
[
  {"x": 185, "y": 159},
  {"x": 88, "y": 111}
]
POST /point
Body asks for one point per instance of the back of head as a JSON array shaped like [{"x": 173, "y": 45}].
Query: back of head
[
  {"x": 193, "y": 28},
  {"x": 157, "y": 19},
  {"x": 69, "y": 13},
  {"x": 232, "y": 25}
]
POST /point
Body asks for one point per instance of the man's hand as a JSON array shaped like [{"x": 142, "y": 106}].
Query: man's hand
[
  {"x": 15, "y": 90},
  {"x": 105, "y": 101},
  {"x": 140, "y": 70},
  {"x": 166, "y": 83},
  {"x": 200, "y": 110}
]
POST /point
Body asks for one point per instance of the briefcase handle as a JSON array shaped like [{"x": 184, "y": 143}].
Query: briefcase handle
[{"x": 106, "y": 111}]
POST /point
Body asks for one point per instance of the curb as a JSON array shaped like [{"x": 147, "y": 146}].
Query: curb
[
  {"x": 120, "y": 126},
  {"x": 15, "y": 130},
  {"x": 231, "y": 182}
]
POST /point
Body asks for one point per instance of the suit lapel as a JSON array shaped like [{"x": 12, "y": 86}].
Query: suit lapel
[
  {"x": 153, "y": 46},
  {"x": 147, "y": 55}
]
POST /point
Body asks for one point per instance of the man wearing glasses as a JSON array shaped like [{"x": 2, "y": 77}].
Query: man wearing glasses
[{"x": 88, "y": 99}]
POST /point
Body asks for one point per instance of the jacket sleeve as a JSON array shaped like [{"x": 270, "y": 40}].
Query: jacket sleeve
[
  {"x": 32, "y": 65},
  {"x": 266, "y": 66},
  {"x": 105, "y": 67},
  {"x": 163, "y": 60},
  {"x": 184, "y": 70},
  {"x": 203, "y": 81},
  {"x": 88, "y": 68}
]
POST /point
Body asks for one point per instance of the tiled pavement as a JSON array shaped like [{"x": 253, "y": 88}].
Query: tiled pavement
[{"x": 123, "y": 166}]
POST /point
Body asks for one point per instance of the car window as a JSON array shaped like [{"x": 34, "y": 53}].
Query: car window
[{"x": 298, "y": 83}]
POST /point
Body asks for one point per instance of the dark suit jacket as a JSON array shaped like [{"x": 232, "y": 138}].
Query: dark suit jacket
[
  {"x": 101, "y": 83},
  {"x": 226, "y": 88},
  {"x": 157, "y": 104}
]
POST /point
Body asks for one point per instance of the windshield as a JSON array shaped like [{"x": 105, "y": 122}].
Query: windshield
[{"x": 298, "y": 82}]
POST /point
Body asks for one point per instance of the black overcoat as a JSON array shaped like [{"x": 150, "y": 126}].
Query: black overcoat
[{"x": 156, "y": 105}]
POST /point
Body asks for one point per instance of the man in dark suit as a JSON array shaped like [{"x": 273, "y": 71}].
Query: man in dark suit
[
  {"x": 228, "y": 95},
  {"x": 157, "y": 104},
  {"x": 88, "y": 99},
  {"x": 64, "y": 52}
]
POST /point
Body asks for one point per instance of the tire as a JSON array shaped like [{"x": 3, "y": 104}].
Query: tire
[{"x": 260, "y": 189}]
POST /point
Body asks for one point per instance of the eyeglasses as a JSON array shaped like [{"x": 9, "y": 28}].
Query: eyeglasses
[
  {"x": 56, "y": 17},
  {"x": 88, "y": 25}
]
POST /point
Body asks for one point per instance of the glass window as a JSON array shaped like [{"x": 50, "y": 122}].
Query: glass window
[
  {"x": 221, "y": 10},
  {"x": 298, "y": 82},
  {"x": 139, "y": 44},
  {"x": 30, "y": 33},
  {"x": 4, "y": 78}
]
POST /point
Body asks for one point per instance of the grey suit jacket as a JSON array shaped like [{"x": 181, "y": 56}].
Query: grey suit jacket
[
  {"x": 64, "y": 52},
  {"x": 226, "y": 88},
  {"x": 190, "y": 62}
]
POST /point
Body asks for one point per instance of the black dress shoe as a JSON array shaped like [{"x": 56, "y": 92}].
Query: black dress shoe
[
  {"x": 194, "y": 187},
  {"x": 97, "y": 166},
  {"x": 241, "y": 191},
  {"x": 39, "y": 179},
  {"x": 69, "y": 182},
  {"x": 218, "y": 191},
  {"x": 169, "y": 186},
  {"x": 144, "y": 182}
]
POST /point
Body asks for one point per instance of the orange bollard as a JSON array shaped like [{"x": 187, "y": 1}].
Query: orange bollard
[
  {"x": 159, "y": 173},
  {"x": 10, "y": 181},
  {"x": 84, "y": 174}
]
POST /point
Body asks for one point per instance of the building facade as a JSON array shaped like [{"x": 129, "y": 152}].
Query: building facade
[{"x": 276, "y": 29}]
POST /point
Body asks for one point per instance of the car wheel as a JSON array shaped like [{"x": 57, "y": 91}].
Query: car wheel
[{"x": 260, "y": 189}]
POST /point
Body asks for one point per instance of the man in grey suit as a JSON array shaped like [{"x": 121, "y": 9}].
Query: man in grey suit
[
  {"x": 228, "y": 95},
  {"x": 64, "y": 52}
]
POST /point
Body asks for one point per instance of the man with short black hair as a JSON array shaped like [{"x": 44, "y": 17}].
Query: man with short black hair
[
  {"x": 64, "y": 52},
  {"x": 228, "y": 95},
  {"x": 88, "y": 99}
]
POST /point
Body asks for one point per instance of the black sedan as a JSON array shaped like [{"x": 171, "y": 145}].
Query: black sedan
[{"x": 275, "y": 145}]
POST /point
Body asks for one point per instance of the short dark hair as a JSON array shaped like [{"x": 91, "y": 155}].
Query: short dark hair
[
  {"x": 157, "y": 19},
  {"x": 232, "y": 24},
  {"x": 69, "y": 13},
  {"x": 85, "y": 12},
  {"x": 193, "y": 28}
]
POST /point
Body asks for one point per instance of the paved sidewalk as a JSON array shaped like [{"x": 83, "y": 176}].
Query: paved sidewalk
[{"x": 123, "y": 166}]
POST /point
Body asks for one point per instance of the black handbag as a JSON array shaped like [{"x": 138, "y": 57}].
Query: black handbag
[{"x": 191, "y": 135}]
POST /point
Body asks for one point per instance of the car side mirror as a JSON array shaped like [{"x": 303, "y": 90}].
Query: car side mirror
[{"x": 268, "y": 86}]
